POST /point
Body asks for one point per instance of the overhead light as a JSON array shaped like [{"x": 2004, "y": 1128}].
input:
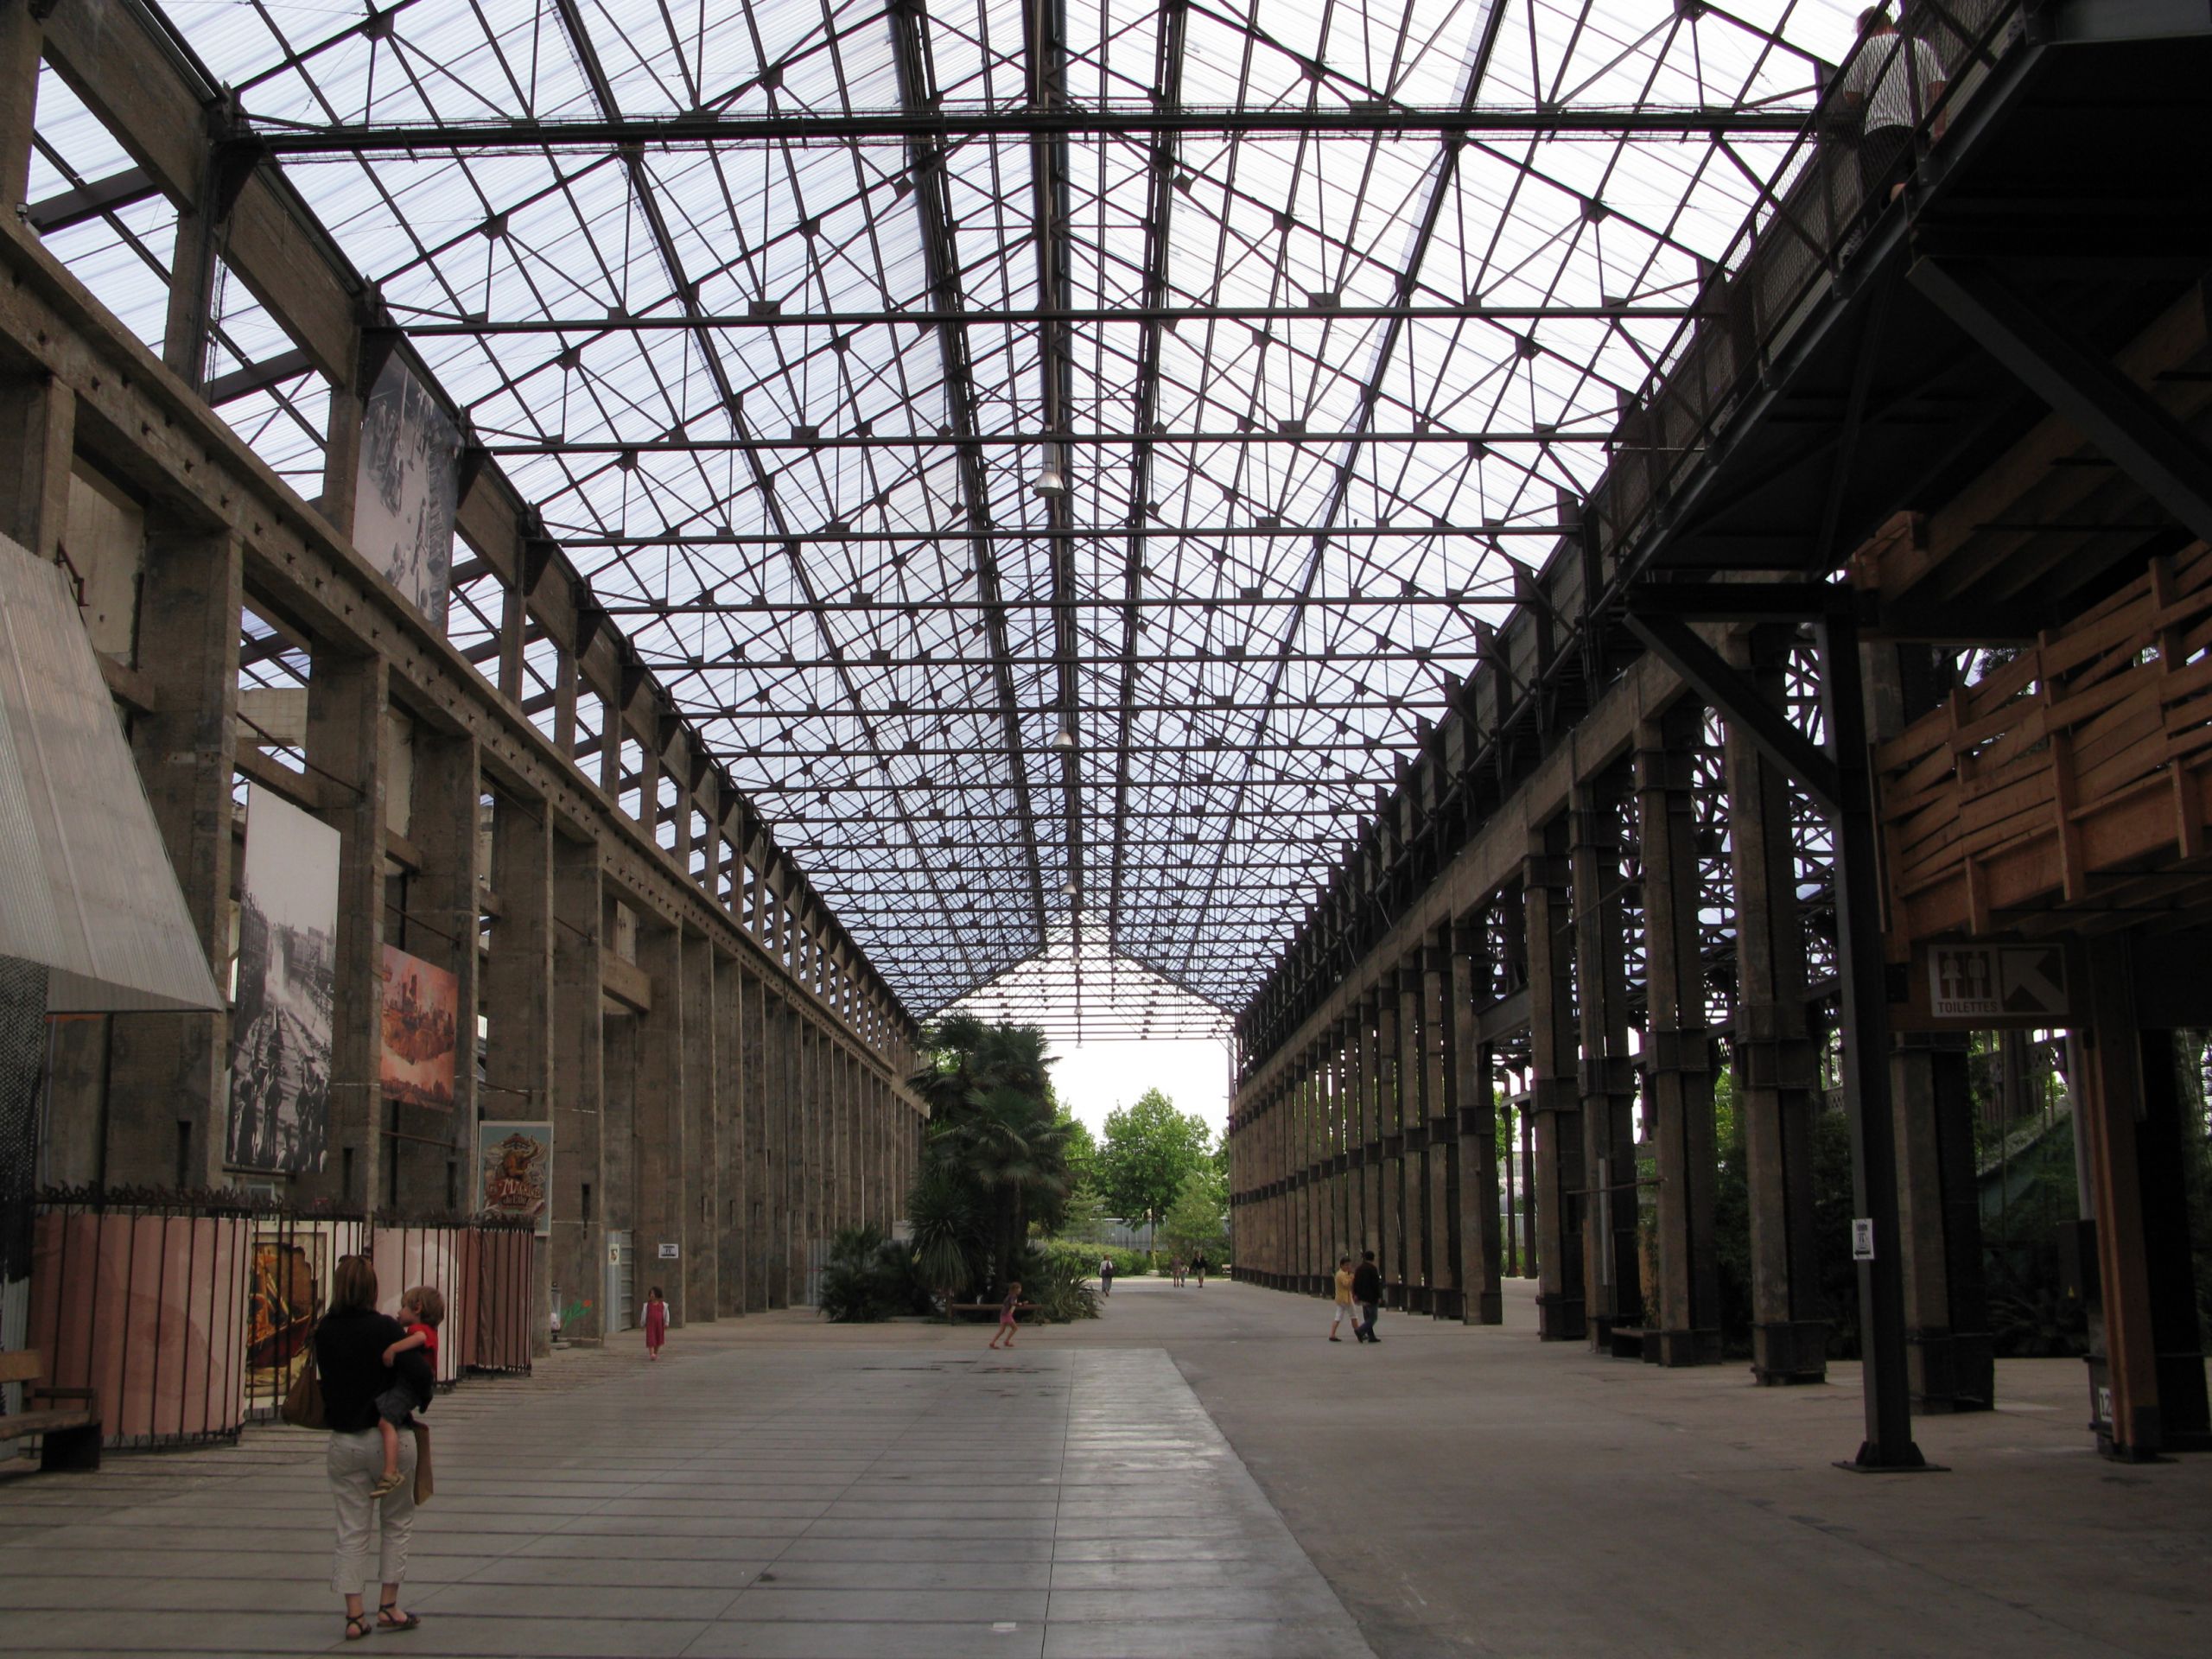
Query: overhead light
[
  {"x": 1050, "y": 482},
  {"x": 1073, "y": 890},
  {"x": 1065, "y": 738}
]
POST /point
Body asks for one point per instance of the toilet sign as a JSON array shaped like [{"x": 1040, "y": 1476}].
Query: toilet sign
[
  {"x": 668, "y": 1252},
  {"x": 1862, "y": 1238},
  {"x": 1983, "y": 984}
]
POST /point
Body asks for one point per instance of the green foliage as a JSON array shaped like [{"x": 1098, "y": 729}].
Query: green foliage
[
  {"x": 1083, "y": 1217},
  {"x": 1086, "y": 1257},
  {"x": 1056, "y": 1280},
  {"x": 868, "y": 1277},
  {"x": 1150, "y": 1149},
  {"x": 1079, "y": 1151},
  {"x": 1198, "y": 1221},
  {"x": 996, "y": 1134},
  {"x": 948, "y": 1235}
]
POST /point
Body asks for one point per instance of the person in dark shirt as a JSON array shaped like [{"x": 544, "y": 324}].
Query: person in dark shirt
[
  {"x": 1367, "y": 1291},
  {"x": 349, "y": 1348}
]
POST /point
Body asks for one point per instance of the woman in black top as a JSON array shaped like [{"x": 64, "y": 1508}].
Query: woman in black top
[{"x": 349, "y": 1346}]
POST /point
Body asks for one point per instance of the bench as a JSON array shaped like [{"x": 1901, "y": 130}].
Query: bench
[
  {"x": 69, "y": 1435},
  {"x": 1020, "y": 1308}
]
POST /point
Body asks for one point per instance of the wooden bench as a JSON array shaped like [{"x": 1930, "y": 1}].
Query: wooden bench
[
  {"x": 1020, "y": 1308},
  {"x": 69, "y": 1435}
]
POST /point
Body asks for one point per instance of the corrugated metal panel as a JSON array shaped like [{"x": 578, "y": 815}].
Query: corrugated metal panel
[{"x": 85, "y": 884}]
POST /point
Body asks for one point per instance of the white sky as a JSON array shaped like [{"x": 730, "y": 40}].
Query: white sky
[{"x": 1092, "y": 1079}]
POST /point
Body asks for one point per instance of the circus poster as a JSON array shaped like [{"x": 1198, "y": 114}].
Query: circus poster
[
  {"x": 287, "y": 983},
  {"x": 516, "y": 1164},
  {"x": 407, "y": 488},
  {"x": 284, "y": 1298},
  {"x": 421, "y": 1005}
]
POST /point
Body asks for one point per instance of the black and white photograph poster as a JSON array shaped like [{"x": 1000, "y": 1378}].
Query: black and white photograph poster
[
  {"x": 407, "y": 489},
  {"x": 287, "y": 979}
]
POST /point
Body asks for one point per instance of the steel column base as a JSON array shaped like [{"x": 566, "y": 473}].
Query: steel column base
[
  {"x": 1789, "y": 1351},
  {"x": 1559, "y": 1319},
  {"x": 1680, "y": 1348}
]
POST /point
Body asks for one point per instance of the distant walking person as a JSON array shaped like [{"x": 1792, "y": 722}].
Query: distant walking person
[
  {"x": 1367, "y": 1291},
  {"x": 1105, "y": 1275},
  {"x": 1179, "y": 1272},
  {"x": 1344, "y": 1298},
  {"x": 1198, "y": 1269},
  {"x": 656, "y": 1325},
  {"x": 1892, "y": 80},
  {"x": 1009, "y": 1311}
]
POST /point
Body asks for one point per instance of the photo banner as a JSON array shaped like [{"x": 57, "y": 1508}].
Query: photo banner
[
  {"x": 287, "y": 982},
  {"x": 515, "y": 1165},
  {"x": 422, "y": 1005},
  {"x": 407, "y": 489}
]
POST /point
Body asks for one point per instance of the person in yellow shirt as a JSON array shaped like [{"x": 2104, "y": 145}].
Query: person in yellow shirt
[{"x": 1343, "y": 1296}]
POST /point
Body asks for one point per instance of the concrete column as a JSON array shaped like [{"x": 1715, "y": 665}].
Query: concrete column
[
  {"x": 1439, "y": 1131},
  {"x": 1473, "y": 1116},
  {"x": 1368, "y": 1049},
  {"x": 1556, "y": 1049},
  {"x": 700, "y": 1172},
  {"x": 22, "y": 37},
  {"x": 38, "y": 445},
  {"x": 564, "y": 1074},
  {"x": 434, "y": 1150},
  {"x": 1950, "y": 1364},
  {"x": 347, "y": 699},
  {"x": 732, "y": 1230},
  {"x": 659, "y": 1147},
  {"x": 199, "y": 240},
  {"x": 1611, "y": 1292},
  {"x": 753, "y": 1085},
  {"x": 341, "y": 455},
  {"x": 1776, "y": 1064},
  {"x": 149, "y": 1093},
  {"x": 1677, "y": 1048}
]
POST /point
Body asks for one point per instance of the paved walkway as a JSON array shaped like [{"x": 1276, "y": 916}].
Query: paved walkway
[
  {"x": 1197, "y": 1474},
  {"x": 806, "y": 1500}
]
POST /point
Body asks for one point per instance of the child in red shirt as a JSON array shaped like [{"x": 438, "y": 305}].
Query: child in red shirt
[
  {"x": 414, "y": 1358},
  {"x": 656, "y": 1325}
]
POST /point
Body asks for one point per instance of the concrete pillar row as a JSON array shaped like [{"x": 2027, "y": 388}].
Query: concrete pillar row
[
  {"x": 1555, "y": 1047},
  {"x": 167, "y": 1076},
  {"x": 437, "y": 917},
  {"x": 1777, "y": 1063},
  {"x": 1438, "y": 1132},
  {"x": 1684, "y": 1306},
  {"x": 550, "y": 1040},
  {"x": 1473, "y": 1104},
  {"x": 1611, "y": 1287}
]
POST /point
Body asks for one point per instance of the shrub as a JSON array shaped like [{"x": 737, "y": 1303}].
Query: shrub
[
  {"x": 1054, "y": 1279},
  {"x": 1086, "y": 1257},
  {"x": 868, "y": 1277}
]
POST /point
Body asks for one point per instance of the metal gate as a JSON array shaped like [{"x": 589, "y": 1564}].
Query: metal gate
[{"x": 620, "y": 1299}]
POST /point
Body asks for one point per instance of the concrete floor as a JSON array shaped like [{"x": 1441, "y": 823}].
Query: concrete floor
[{"x": 779, "y": 1487}]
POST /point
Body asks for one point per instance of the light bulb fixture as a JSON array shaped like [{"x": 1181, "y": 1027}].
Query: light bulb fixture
[
  {"x": 1050, "y": 482},
  {"x": 1065, "y": 739},
  {"x": 1073, "y": 890}
]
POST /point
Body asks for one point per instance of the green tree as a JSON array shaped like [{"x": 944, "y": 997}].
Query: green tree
[
  {"x": 1080, "y": 1151},
  {"x": 1198, "y": 1220},
  {"x": 1150, "y": 1149},
  {"x": 997, "y": 1143},
  {"x": 1083, "y": 1217}
]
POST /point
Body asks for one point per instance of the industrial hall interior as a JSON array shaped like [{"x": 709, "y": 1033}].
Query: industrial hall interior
[{"x": 1607, "y": 602}]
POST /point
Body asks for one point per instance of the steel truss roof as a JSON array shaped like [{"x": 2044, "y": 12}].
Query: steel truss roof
[{"x": 1316, "y": 309}]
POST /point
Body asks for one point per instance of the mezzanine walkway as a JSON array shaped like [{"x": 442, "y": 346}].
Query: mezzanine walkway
[{"x": 779, "y": 1487}]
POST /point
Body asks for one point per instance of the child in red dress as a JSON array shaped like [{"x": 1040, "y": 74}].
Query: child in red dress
[
  {"x": 1008, "y": 1310},
  {"x": 656, "y": 1325}
]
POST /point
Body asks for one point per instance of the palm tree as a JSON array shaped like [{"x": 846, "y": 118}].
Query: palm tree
[{"x": 993, "y": 1125}]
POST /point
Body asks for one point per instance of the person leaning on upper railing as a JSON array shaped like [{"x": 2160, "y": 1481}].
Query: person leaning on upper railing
[{"x": 1892, "y": 79}]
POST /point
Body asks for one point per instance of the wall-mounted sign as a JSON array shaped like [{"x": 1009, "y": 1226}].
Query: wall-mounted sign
[
  {"x": 1986, "y": 984},
  {"x": 1862, "y": 1239},
  {"x": 668, "y": 1252}
]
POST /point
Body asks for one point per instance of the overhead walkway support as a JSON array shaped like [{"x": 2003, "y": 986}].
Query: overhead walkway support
[{"x": 1982, "y": 404}]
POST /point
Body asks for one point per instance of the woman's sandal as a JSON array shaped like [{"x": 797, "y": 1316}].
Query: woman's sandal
[
  {"x": 387, "y": 1622},
  {"x": 359, "y": 1625}
]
